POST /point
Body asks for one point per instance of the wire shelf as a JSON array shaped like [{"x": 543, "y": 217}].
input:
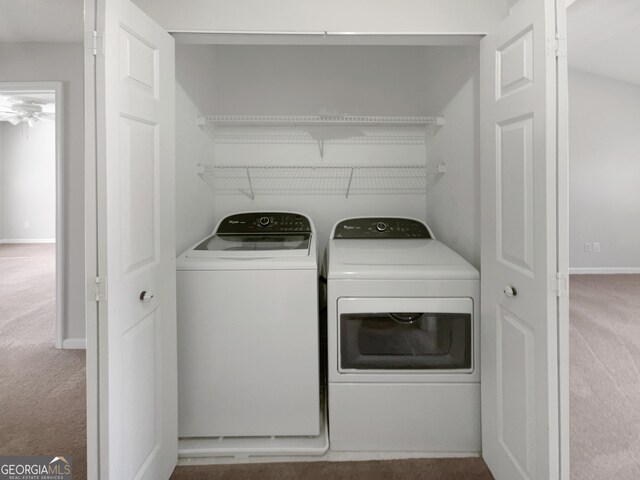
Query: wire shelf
[
  {"x": 322, "y": 180},
  {"x": 320, "y": 129}
]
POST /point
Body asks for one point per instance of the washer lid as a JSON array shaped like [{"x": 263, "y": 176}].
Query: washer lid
[
  {"x": 257, "y": 235},
  {"x": 396, "y": 259},
  {"x": 252, "y": 245}
]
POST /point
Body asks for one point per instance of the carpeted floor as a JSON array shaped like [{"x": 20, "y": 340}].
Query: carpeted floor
[
  {"x": 42, "y": 389},
  {"x": 605, "y": 377},
  {"x": 415, "y": 469}
]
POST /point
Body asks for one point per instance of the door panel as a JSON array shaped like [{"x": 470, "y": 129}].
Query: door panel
[
  {"x": 139, "y": 160},
  {"x": 515, "y": 365},
  {"x": 135, "y": 87},
  {"x": 519, "y": 349},
  {"x": 141, "y": 381},
  {"x": 138, "y": 62},
  {"x": 515, "y": 64},
  {"x": 514, "y": 192}
]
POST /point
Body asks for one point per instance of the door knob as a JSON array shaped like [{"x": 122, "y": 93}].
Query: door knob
[
  {"x": 146, "y": 296},
  {"x": 509, "y": 291}
]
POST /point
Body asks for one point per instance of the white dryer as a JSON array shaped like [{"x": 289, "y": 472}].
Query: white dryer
[
  {"x": 248, "y": 329},
  {"x": 403, "y": 331}
]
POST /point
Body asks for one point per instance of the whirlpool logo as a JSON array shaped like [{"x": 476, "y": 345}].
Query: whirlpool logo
[{"x": 35, "y": 468}]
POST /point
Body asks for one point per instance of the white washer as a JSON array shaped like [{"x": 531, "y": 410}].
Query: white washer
[
  {"x": 403, "y": 331},
  {"x": 248, "y": 329}
]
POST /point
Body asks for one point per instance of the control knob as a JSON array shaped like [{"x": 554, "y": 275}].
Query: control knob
[
  {"x": 381, "y": 226},
  {"x": 264, "y": 221}
]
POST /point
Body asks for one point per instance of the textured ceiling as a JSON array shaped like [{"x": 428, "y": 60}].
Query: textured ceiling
[{"x": 41, "y": 20}]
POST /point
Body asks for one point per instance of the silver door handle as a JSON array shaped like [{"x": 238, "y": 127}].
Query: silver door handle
[
  {"x": 146, "y": 296},
  {"x": 509, "y": 291}
]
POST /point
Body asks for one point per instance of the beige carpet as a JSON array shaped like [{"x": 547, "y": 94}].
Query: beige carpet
[
  {"x": 605, "y": 377},
  {"x": 42, "y": 389}
]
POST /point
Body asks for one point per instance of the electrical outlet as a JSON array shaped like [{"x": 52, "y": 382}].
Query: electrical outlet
[
  {"x": 27, "y": 224},
  {"x": 588, "y": 247},
  {"x": 596, "y": 247}
]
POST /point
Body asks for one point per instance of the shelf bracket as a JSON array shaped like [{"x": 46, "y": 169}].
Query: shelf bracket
[
  {"x": 439, "y": 170},
  {"x": 349, "y": 184},
  {"x": 253, "y": 196},
  {"x": 321, "y": 147}
]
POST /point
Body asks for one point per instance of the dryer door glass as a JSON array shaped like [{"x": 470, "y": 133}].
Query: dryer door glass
[{"x": 405, "y": 341}]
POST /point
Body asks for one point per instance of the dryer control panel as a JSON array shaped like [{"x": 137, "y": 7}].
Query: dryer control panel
[
  {"x": 382, "y": 227},
  {"x": 264, "y": 222}
]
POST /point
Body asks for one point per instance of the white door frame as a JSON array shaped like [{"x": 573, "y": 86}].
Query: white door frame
[
  {"x": 91, "y": 270},
  {"x": 94, "y": 260},
  {"x": 57, "y": 88},
  {"x": 562, "y": 229}
]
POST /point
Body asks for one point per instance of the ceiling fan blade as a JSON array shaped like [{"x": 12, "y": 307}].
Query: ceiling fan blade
[
  {"x": 15, "y": 120},
  {"x": 32, "y": 121},
  {"x": 46, "y": 116}
]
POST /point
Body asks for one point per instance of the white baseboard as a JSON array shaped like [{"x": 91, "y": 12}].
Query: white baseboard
[
  {"x": 28, "y": 240},
  {"x": 603, "y": 270},
  {"x": 74, "y": 344}
]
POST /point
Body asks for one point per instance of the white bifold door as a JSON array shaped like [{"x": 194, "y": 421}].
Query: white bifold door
[
  {"x": 520, "y": 272},
  {"x": 134, "y": 84}
]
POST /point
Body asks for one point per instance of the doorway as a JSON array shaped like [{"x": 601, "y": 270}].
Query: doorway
[
  {"x": 31, "y": 199},
  {"x": 43, "y": 377}
]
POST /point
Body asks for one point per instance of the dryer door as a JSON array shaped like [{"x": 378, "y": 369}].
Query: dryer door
[{"x": 395, "y": 334}]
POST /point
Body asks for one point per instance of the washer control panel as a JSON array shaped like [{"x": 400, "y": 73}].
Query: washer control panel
[
  {"x": 371, "y": 228},
  {"x": 265, "y": 222}
]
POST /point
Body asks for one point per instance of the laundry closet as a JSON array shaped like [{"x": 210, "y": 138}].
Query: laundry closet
[
  {"x": 330, "y": 131},
  {"x": 457, "y": 124}
]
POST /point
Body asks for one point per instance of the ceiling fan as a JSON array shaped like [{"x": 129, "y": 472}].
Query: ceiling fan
[{"x": 24, "y": 109}]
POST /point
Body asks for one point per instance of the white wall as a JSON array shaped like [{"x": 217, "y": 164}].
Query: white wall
[
  {"x": 295, "y": 80},
  {"x": 290, "y": 80},
  {"x": 453, "y": 202},
  {"x": 604, "y": 148},
  {"x": 28, "y": 182},
  {"x": 194, "y": 199},
  {"x": 434, "y": 16},
  {"x": 61, "y": 62}
]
